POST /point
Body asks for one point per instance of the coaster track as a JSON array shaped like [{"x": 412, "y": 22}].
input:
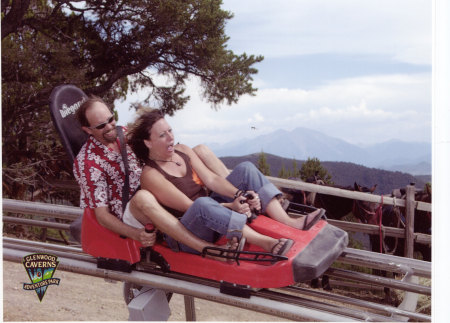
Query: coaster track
[{"x": 293, "y": 302}]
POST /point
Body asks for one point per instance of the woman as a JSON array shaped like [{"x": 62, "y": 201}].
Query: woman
[{"x": 177, "y": 177}]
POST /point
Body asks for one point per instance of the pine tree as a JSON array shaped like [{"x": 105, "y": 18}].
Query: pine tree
[
  {"x": 312, "y": 167},
  {"x": 283, "y": 173},
  {"x": 295, "y": 171},
  {"x": 263, "y": 166},
  {"x": 110, "y": 49}
]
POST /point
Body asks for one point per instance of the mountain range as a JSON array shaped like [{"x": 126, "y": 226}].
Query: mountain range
[
  {"x": 342, "y": 174},
  {"x": 302, "y": 143}
]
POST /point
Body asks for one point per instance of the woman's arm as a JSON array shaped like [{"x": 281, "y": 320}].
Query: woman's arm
[
  {"x": 216, "y": 183},
  {"x": 165, "y": 192},
  {"x": 212, "y": 181},
  {"x": 210, "y": 160}
]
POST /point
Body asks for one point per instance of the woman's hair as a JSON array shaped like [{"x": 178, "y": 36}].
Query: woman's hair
[
  {"x": 81, "y": 112},
  {"x": 140, "y": 132}
]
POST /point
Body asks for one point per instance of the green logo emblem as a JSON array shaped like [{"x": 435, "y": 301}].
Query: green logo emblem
[{"x": 40, "y": 267}]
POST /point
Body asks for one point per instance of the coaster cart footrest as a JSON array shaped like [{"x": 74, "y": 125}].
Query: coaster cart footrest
[
  {"x": 300, "y": 209},
  {"x": 255, "y": 256}
]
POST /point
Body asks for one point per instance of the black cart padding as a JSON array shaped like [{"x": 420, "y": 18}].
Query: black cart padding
[
  {"x": 320, "y": 253},
  {"x": 64, "y": 102}
]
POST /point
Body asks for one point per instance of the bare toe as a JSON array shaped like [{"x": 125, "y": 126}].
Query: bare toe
[{"x": 282, "y": 246}]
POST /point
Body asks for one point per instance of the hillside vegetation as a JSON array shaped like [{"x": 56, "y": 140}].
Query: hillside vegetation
[{"x": 343, "y": 173}]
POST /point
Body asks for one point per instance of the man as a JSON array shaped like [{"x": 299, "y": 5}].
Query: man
[{"x": 99, "y": 170}]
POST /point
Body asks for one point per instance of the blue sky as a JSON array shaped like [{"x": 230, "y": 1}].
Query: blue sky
[{"x": 352, "y": 69}]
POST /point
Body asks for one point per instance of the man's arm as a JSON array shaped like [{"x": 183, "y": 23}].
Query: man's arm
[{"x": 109, "y": 221}]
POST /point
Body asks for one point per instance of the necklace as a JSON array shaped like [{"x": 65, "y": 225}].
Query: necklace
[{"x": 166, "y": 161}]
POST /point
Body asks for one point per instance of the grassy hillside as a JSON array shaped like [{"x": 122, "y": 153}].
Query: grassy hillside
[{"x": 342, "y": 173}]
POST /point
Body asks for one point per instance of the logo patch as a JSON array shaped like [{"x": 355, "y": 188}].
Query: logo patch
[{"x": 40, "y": 267}]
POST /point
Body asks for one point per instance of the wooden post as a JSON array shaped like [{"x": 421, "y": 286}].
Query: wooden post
[{"x": 409, "y": 230}]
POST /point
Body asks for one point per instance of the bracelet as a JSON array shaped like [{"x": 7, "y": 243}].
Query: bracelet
[{"x": 238, "y": 193}]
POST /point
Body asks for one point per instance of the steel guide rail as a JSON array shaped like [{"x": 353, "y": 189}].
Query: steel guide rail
[
  {"x": 287, "y": 306},
  {"x": 184, "y": 287},
  {"x": 356, "y": 302},
  {"x": 296, "y": 295},
  {"x": 363, "y": 257},
  {"x": 404, "y": 266},
  {"x": 280, "y": 295},
  {"x": 386, "y": 262},
  {"x": 386, "y": 282}
]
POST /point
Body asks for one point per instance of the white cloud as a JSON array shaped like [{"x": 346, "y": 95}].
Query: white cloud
[
  {"x": 399, "y": 29},
  {"x": 351, "y": 112},
  {"x": 378, "y": 108},
  {"x": 256, "y": 118},
  {"x": 375, "y": 107}
]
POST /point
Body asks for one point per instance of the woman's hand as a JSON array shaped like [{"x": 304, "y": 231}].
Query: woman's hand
[
  {"x": 255, "y": 202},
  {"x": 147, "y": 239},
  {"x": 239, "y": 205}
]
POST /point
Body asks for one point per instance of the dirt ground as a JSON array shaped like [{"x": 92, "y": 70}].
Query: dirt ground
[{"x": 85, "y": 298}]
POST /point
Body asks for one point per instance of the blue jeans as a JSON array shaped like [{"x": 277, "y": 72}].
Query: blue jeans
[
  {"x": 209, "y": 220},
  {"x": 247, "y": 177}
]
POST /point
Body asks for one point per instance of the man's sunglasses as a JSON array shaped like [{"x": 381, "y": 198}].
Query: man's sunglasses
[{"x": 102, "y": 125}]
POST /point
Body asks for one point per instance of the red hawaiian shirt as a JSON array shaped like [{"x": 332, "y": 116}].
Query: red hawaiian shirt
[{"x": 100, "y": 173}]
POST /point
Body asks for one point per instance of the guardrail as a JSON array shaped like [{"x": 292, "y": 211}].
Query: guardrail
[
  {"x": 409, "y": 203},
  {"x": 71, "y": 213},
  {"x": 309, "y": 187}
]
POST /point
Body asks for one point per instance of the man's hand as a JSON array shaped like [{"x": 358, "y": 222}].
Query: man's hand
[
  {"x": 147, "y": 239},
  {"x": 109, "y": 221}
]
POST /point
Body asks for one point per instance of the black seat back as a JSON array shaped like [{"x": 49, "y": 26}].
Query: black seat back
[{"x": 64, "y": 102}]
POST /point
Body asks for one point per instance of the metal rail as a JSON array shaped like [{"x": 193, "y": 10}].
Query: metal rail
[
  {"x": 292, "y": 303},
  {"x": 184, "y": 287},
  {"x": 36, "y": 223},
  {"x": 404, "y": 266},
  {"x": 380, "y": 308},
  {"x": 385, "y": 262},
  {"x": 296, "y": 296},
  {"x": 45, "y": 209}
]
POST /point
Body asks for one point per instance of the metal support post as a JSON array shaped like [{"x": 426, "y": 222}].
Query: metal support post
[{"x": 189, "y": 307}]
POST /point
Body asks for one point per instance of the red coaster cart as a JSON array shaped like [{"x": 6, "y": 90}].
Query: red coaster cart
[{"x": 310, "y": 256}]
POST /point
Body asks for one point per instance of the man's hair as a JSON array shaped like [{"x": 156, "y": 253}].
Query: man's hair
[
  {"x": 140, "y": 132},
  {"x": 81, "y": 112}
]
